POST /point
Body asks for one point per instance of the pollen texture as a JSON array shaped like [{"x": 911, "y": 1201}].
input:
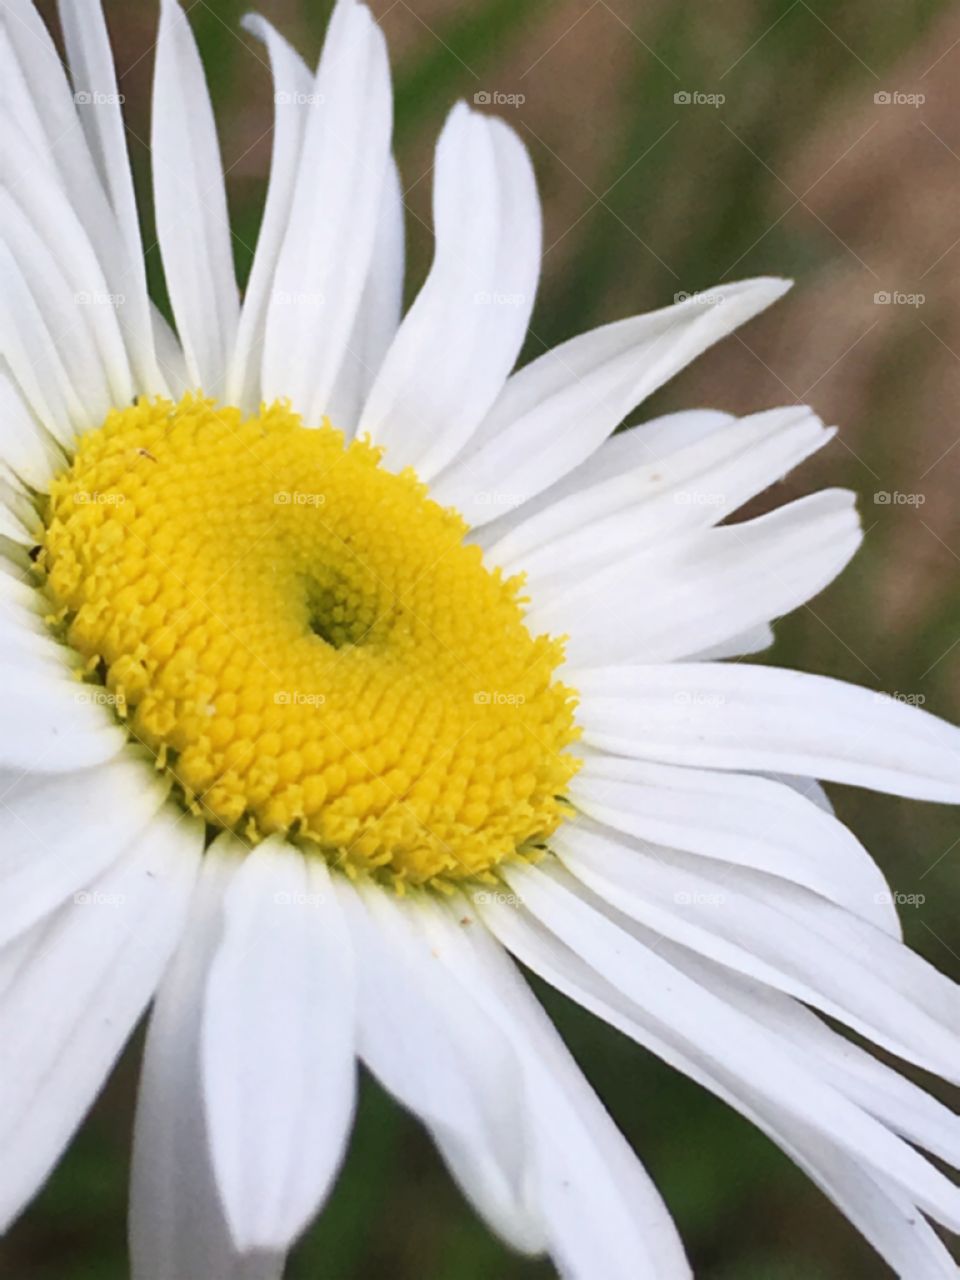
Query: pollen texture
[{"x": 306, "y": 642}]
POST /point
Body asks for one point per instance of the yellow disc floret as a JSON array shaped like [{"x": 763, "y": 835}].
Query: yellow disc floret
[{"x": 306, "y": 641}]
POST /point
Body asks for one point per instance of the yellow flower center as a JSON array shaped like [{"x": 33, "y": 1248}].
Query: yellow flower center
[{"x": 306, "y": 642}]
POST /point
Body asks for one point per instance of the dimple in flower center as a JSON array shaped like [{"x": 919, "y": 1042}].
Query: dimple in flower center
[{"x": 306, "y": 642}]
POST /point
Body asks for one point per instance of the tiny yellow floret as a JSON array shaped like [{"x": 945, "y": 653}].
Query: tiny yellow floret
[{"x": 306, "y": 642}]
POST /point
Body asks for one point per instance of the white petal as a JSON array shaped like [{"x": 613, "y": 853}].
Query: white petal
[
  {"x": 25, "y": 447},
  {"x": 53, "y": 724},
  {"x": 603, "y": 1215},
  {"x": 193, "y": 224},
  {"x": 692, "y": 486},
  {"x": 559, "y": 409},
  {"x": 277, "y": 1046},
  {"x": 430, "y": 1045},
  {"x": 742, "y": 645},
  {"x": 462, "y": 336},
  {"x": 95, "y": 85},
  {"x": 887, "y": 1217},
  {"x": 78, "y": 994},
  {"x": 740, "y": 1052},
  {"x": 57, "y": 833},
  {"x": 378, "y": 315},
  {"x": 177, "y": 1228},
  {"x": 769, "y": 720},
  {"x": 695, "y": 590},
  {"x": 743, "y": 820},
  {"x": 327, "y": 249},
  {"x": 61, "y": 269},
  {"x": 292, "y": 89}
]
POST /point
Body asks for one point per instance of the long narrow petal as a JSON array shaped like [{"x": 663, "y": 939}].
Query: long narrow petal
[
  {"x": 668, "y": 602},
  {"x": 277, "y": 1047},
  {"x": 885, "y": 1215},
  {"x": 462, "y": 336},
  {"x": 760, "y": 718},
  {"x": 294, "y": 100},
  {"x": 193, "y": 225},
  {"x": 99, "y": 106},
  {"x": 440, "y": 1055},
  {"x": 656, "y": 495},
  {"x": 177, "y": 1227},
  {"x": 327, "y": 249},
  {"x": 741, "y": 820},
  {"x": 104, "y": 954},
  {"x": 602, "y": 1213},
  {"x": 559, "y": 409}
]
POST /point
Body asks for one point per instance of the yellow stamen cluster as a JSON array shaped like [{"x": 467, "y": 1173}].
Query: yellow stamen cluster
[{"x": 306, "y": 641}]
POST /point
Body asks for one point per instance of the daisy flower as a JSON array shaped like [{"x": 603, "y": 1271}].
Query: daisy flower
[{"x": 343, "y": 665}]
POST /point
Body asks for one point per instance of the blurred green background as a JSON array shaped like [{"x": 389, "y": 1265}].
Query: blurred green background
[{"x": 802, "y": 170}]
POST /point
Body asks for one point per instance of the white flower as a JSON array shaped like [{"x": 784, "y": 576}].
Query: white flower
[{"x": 284, "y": 751}]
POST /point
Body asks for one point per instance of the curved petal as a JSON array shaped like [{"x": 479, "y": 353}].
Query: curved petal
[
  {"x": 694, "y": 591},
  {"x": 885, "y": 1215},
  {"x": 77, "y": 994},
  {"x": 557, "y": 410},
  {"x": 462, "y": 336},
  {"x": 769, "y": 720},
  {"x": 177, "y": 1227},
  {"x": 293, "y": 101},
  {"x": 326, "y": 253},
  {"x": 430, "y": 1045},
  {"x": 741, "y": 820},
  {"x": 602, "y": 1213},
  {"x": 277, "y": 1046},
  {"x": 193, "y": 225}
]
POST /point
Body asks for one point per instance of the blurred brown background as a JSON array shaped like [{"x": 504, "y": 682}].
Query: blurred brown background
[{"x": 677, "y": 145}]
